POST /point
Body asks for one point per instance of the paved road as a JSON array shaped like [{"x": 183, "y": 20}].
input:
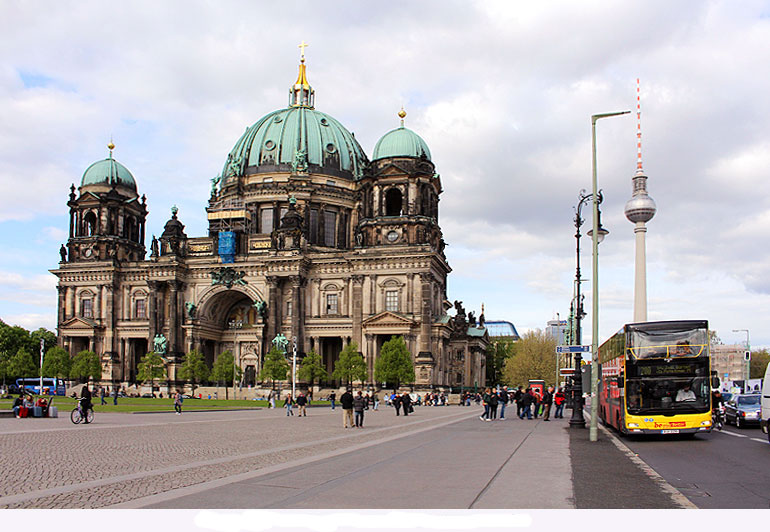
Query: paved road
[
  {"x": 728, "y": 469},
  {"x": 441, "y": 457},
  {"x": 468, "y": 464}
]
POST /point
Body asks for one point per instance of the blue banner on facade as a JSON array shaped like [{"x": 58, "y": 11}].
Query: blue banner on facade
[{"x": 227, "y": 246}]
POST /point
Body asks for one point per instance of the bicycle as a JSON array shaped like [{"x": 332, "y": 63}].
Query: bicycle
[{"x": 76, "y": 416}]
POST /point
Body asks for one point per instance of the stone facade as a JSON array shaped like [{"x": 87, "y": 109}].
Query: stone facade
[{"x": 323, "y": 256}]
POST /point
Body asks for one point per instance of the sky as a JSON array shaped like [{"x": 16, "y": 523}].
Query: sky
[{"x": 501, "y": 91}]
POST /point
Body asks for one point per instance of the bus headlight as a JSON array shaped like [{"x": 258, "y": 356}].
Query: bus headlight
[
  {"x": 633, "y": 425},
  {"x": 705, "y": 423}
]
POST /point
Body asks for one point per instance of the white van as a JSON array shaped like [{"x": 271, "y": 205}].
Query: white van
[{"x": 764, "y": 421}]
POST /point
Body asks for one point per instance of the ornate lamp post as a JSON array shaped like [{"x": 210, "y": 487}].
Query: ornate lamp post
[{"x": 577, "y": 419}]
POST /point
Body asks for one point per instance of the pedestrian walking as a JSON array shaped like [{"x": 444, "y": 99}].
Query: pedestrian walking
[
  {"x": 332, "y": 399},
  {"x": 288, "y": 403},
  {"x": 302, "y": 405},
  {"x": 517, "y": 395},
  {"x": 101, "y": 395},
  {"x": 406, "y": 403},
  {"x": 395, "y": 400},
  {"x": 547, "y": 402},
  {"x": 271, "y": 398},
  {"x": 526, "y": 404},
  {"x": 536, "y": 403},
  {"x": 485, "y": 401},
  {"x": 494, "y": 401},
  {"x": 376, "y": 401},
  {"x": 503, "y": 400},
  {"x": 559, "y": 399},
  {"x": 178, "y": 399},
  {"x": 115, "y": 395},
  {"x": 359, "y": 403},
  {"x": 346, "y": 400}
]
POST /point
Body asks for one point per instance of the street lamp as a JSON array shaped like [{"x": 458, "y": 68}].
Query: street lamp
[
  {"x": 748, "y": 360},
  {"x": 593, "y": 433},
  {"x": 577, "y": 420}
]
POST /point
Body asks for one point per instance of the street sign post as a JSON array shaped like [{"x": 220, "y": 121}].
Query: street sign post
[{"x": 562, "y": 349}]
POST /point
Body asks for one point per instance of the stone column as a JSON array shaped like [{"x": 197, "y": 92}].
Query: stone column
[
  {"x": 61, "y": 306},
  {"x": 274, "y": 299},
  {"x": 297, "y": 310},
  {"x": 154, "y": 288},
  {"x": 316, "y": 298},
  {"x": 372, "y": 294},
  {"x": 426, "y": 279},
  {"x": 109, "y": 322},
  {"x": 174, "y": 321},
  {"x": 369, "y": 356},
  {"x": 358, "y": 307}
]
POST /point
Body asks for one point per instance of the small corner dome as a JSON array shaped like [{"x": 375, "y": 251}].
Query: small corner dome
[
  {"x": 401, "y": 142},
  {"x": 108, "y": 172}
]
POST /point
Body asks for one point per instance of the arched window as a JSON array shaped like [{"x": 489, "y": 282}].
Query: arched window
[
  {"x": 90, "y": 224},
  {"x": 393, "y": 202}
]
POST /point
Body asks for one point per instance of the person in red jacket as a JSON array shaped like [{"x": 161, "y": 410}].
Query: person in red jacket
[{"x": 559, "y": 399}]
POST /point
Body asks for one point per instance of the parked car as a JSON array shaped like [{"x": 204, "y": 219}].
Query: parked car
[
  {"x": 764, "y": 422},
  {"x": 743, "y": 409}
]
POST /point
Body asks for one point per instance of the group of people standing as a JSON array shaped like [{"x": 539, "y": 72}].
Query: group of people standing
[{"x": 530, "y": 403}]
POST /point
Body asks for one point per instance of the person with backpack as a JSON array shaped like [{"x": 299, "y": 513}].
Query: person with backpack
[{"x": 517, "y": 398}]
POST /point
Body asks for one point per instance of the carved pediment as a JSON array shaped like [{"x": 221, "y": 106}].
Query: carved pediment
[
  {"x": 76, "y": 323},
  {"x": 388, "y": 320},
  {"x": 390, "y": 169}
]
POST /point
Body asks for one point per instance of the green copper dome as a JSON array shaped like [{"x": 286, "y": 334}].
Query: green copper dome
[
  {"x": 400, "y": 142},
  {"x": 108, "y": 172},
  {"x": 296, "y": 139}
]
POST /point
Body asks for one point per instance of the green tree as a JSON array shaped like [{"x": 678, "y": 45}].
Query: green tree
[
  {"x": 498, "y": 352},
  {"x": 49, "y": 340},
  {"x": 311, "y": 369},
  {"x": 86, "y": 365},
  {"x": 350, "y": 366},
  {"x": 275, "y": 367},
  {"x": 714, "y": 338},
  {"x": 12, "y": 338},
  {"x": 194, "y": 369},
  {"x": 533, "y": 357},
  {"x": 57, "y": 363},
  {"x": 22, "y": 364},
  {"x": 223, "y": 370},
  {"x": 394, "y": 365},
  {"x": 152, "y": 367},
  {"x": 759, "y": 362}
]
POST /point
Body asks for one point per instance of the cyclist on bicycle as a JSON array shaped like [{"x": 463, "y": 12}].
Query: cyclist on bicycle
[
  {"x": 717, "y": 402},
  {"x": 85, "y": 400}
]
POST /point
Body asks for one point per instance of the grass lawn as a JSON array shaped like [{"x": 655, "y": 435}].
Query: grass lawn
[{"x": 139, "y": 404}]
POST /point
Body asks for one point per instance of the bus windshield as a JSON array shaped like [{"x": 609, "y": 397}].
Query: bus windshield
[
  {"x": 673, "y": 387},
  {"x": 646, "y": 343}
]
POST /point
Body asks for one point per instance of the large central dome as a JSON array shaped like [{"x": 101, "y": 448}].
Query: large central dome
[{"x": 297, "y": 138}]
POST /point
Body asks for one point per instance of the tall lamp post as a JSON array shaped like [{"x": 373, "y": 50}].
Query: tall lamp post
[
  {"x": 577, "y": 420},
  {"x": 594, "y": 429},
  {"x": 748, "y": 358}
]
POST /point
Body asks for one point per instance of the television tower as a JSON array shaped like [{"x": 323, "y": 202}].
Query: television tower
[{"x": 639, "y": 210}]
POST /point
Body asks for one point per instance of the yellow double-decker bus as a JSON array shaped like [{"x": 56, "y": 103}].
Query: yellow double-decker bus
[{"x": 655, "y": 378}]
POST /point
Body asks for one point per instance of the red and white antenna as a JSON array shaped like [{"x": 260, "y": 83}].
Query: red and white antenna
[{"x": 638, "y": 129}]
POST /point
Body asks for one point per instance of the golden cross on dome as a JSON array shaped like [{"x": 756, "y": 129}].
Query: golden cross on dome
[{"x": 302, "y": 47}]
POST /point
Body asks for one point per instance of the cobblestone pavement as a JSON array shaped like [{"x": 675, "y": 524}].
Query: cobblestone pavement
[{"x": 51, "y": 463}]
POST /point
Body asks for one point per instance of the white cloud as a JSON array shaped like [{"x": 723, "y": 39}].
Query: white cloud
[{"x": 501, "y": 91}]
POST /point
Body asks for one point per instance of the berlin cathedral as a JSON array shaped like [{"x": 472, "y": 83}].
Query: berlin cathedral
[{"x": 307, "y": 238}]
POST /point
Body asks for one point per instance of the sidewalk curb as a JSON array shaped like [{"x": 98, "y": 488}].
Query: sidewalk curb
[{"x": 674, "y": 493}]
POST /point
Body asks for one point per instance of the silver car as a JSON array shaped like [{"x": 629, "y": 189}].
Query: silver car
[{"x": 743, "y": 409}]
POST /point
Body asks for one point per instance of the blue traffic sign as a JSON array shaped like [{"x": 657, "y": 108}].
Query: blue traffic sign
[{"x": 561, "y": 349}]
